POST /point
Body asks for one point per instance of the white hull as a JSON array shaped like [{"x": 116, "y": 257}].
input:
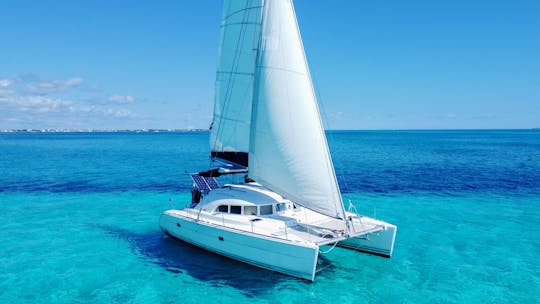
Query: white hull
[
  {"x": 380, "y": 242},
  {"x": 288, "y": 257}
]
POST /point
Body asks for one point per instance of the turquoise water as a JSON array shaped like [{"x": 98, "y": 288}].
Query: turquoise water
[{"x": 80, "y": 211}]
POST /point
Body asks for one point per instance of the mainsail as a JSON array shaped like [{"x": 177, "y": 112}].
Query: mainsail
[
  {"x": 266, "y": 105},
  {"x": 240, "y": 35}
]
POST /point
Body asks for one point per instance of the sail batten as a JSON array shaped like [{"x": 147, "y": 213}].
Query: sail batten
[{"x": 240, "y": 23}]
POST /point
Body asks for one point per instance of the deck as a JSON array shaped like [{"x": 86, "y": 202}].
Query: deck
[{"x": 303, "y": 226}]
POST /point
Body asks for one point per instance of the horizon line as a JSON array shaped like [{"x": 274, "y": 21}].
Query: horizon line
[{"x": 172, "y": 130}]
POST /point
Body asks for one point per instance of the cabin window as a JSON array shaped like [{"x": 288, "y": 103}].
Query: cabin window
[
  {"x": 250, "y": 210},
  {"x": 280, "y": 207},
  {"x": 223, "y": 208},
  {"x": 236, "y": 209},
  {"x": 265, "y": 210}
]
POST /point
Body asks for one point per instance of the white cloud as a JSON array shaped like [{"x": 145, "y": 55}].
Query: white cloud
[
  {"x": 38, "y": 104},
  {"x": 42, "y": 101},
  {"x": 4, "y": 93},
  {"x": 52, "y": 86},
  {"x": 73, "y": 82},
  {"x": 123, "y": 113},
  {"x": 5, "y": 88},
  {"x": 121, "y": 99},
  {"x": 4, "y": 83},
  {"x": 31, "y": 102},
  {"x": 337, "y": 115},
  {"x": 448, "y": 116},
  {"x": 485, "y": 116}
]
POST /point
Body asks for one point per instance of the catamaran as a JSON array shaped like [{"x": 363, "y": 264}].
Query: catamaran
[{"x": 270, "y": 197}]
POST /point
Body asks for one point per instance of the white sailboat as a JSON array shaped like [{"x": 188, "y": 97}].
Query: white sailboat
[{"x": 283, "y": 202}]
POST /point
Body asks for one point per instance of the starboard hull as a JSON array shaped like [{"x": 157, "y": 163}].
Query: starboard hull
[
  {"x": 379, "y": 243},
  {"x": 299, "y": 260}
]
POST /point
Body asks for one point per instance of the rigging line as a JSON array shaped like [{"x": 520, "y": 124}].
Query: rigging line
[
  {"x": 330, "y": 133},
  {"x": 231, "y": 119},
  {"x": 239, "y": 11},
  {"x": 231, "y": 79},
  {"x": 329, "y": 163},
  {"x": 332, "y": 137},
  {"x": 236, "y": 73},
  {"x": 256, "y": 80},
  {"x": 331, "y": 248},
  {"x": 239, "y": 23}
]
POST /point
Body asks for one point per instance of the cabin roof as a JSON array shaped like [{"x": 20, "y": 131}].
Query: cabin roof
[{"x": 251, "y": 194}]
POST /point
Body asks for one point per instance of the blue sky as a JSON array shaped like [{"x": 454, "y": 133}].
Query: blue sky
[{"x": 375, "y": 64}]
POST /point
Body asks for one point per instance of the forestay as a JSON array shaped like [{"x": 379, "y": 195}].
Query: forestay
[
  {"x": 288, "y": 152},
  {"x": 240, "y": 35}
]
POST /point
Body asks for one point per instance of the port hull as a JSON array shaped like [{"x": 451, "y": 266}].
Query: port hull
[{"x": 291, "y": 258}]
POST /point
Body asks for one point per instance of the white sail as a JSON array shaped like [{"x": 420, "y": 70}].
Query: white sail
[
  {"x": 240, "y": 35},
  {"x": 288, "y": 150}
]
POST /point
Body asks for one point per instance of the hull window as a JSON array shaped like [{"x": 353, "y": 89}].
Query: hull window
[
  {"x": 250, "y": 210},
  {"x": 265, "y": 210},
  {"x": 236, "y": 209},
  {"x": 223, "y": 208}
]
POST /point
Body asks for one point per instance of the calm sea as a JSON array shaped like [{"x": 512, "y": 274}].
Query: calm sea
[{"x": 79, "y": 221}]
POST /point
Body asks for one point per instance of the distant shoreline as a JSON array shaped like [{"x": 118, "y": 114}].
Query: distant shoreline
[
  {"x": 100, "y": 131},
  {"x": 207, "y": 130}
]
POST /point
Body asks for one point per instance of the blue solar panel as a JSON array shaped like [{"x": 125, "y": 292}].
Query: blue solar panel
[
  {"x": 205, "y": 184},
  {"x": 212, "y": 182}
]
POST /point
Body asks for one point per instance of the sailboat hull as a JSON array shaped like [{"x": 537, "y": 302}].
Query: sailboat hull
[
  {"x": 380, "y": 242},
  {"x": 297, "y": 260}
]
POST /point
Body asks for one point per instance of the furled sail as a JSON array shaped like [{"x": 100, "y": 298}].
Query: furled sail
[
  {"x": 288, "y": 152},
  {"x": 240, "y": 35}
]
